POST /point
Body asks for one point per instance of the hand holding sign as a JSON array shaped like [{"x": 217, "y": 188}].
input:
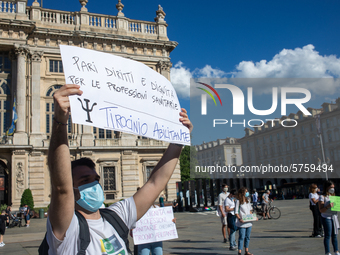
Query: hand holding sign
[
  {"x": 124, "y": 95},
  {"x": 62, "y": 103}
]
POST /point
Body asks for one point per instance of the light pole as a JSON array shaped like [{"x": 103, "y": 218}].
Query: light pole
[{"x": 319, "y": 132}]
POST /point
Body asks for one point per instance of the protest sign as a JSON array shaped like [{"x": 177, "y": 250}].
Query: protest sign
[
  {"x": 336, "y": 201},
  {"x": 122, "y": 94},
  {"x": 156, "y": 225},
  {"x": 249, "y": 217}
]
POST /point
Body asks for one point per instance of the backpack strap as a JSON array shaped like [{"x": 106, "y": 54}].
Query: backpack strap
[
  {"x": 118, "y": 224},
  {"x": 84, "y": 233}
]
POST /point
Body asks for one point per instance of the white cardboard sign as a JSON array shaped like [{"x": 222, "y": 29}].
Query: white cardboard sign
[
  {"x": 123, "y": 95},
  {"x": 156, "y": 225}
]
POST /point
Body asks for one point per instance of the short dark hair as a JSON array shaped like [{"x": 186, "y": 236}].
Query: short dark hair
[
  {"x": 83, "y": 162},
  {"x": 223, "y": 185},
  {"x": 233, "y": 192}
]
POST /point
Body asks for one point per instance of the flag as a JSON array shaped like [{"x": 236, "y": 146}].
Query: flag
[{"x": 11, "y": 129}]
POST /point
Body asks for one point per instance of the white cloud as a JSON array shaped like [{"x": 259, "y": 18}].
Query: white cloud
[
  {"x": 303, "y": 62},
  {"x": 180, "y": 77}
]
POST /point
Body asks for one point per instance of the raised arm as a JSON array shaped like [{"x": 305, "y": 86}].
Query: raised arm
[
  {"x": 161, "y": 174},
  {"x": 62, "y": 199}
]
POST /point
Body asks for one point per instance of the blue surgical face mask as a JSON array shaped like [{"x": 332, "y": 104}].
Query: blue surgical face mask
[
  {"x": 247, "y": 194},
  {"x": 91, "y": 196}
]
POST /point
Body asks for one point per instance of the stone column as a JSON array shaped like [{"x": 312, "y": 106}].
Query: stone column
[
  {"x": 87, "y": 137},
  {"x": 36, "y": 137},
  {"x": 20, "y": 135},
  {"x": 130, "y": 177},
  {"x": 163, "y": 67}
]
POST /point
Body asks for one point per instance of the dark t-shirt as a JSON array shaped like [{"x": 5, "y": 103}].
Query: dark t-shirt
[
  {"x": 3, "y": 219},
  {"x": 8, "y": 212},
  {"x": 28, "y": 211}
]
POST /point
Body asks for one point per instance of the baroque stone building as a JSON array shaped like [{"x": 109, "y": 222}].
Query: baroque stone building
[
  {"x": 276, "y": 145},
  {"x": 31, "y": 71}
]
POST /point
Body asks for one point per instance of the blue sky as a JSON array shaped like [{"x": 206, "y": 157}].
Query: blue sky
[{"x": 248, "y": 38}]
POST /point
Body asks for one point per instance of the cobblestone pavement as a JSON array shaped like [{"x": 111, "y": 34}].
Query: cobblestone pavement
[{"x": 200, "y": 233}]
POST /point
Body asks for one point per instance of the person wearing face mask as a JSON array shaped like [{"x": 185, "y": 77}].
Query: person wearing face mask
[
  {"x": 329, "y": 218},
  {"x": 313, "y": 202},
  {"x": 229, "y": 205},
  {"x": 265, "y": 203},
  {"x": 76, "y": 193},
  {"x": 242, "y": 208},
  {"x": 221, "y": 210}
]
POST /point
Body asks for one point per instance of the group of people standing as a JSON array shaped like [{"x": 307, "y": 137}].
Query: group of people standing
[
  {"x": 323, "y": 216},
  {"x": 232, "y": 207}
]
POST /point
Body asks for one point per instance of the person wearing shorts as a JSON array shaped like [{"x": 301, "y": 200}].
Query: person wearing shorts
[
  {"x": 221, "y": 210},
  {"x": 27, "y": 215},
  {"x": 265, "y": 202}
]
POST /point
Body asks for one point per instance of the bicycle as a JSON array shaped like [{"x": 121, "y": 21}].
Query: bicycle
[{"x": 273, "y": 211}]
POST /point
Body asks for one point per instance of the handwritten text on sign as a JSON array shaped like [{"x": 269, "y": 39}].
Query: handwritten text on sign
[
  {"x": 156, "y": 225},
  {"x": 122, "y": 94}
]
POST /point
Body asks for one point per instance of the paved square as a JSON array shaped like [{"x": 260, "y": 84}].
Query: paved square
[{"x": 200, "y": 233}]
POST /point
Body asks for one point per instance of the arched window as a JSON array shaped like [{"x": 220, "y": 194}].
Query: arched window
[
  {"x": 5, "y": 106},
  {"x": 49, "y": 111}
]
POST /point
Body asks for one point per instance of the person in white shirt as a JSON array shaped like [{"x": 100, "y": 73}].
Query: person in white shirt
[
  {"x": 221, "y": 197},
  {"x": 77, "y": 188},
  {"x": 313, "y": 200},
  {"x": 329, "y": 218},
  {"x": 265, "y": 203},
  {"x": 243, "y": 207},
  {"x": 229, "y": 205}
]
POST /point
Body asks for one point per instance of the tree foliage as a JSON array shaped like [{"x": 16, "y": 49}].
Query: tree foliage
[
  {"x": 27, "y": 198},
  {"x": 188, "y": 162}
]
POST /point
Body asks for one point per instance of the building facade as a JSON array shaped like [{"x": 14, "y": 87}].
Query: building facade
[
  {"x": 222, "y": 152},
  {"x": 31, "y": 71},
  {"x": 277, "y": 145}
]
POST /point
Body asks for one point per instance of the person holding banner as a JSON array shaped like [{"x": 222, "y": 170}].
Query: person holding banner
[
  {"x": 243, "y": 207},
  {"x": 77, "y": 188},
  {"x": 329, "y": 218}
]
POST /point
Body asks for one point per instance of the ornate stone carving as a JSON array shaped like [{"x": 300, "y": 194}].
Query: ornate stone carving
[
  {"x": 36, "y": 56},
  {"x": 19, "y": 178},
  {"x": 160, "y": 14},
  {"x": 83, "y": 4},
  {"x": 164, "y": 65},
  {"x": 120, "y": 7},
  {"x": 20, "y": 50}
]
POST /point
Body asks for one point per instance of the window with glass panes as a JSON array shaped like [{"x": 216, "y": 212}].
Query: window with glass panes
[
  {"x": 5, "y": 63},
  {"x": 148, "y": 172},
  {"x": 109, "y": 178},
  {"x": 56, "y": 66},
  {"x": 5, "y": 107},
  {"x": 100, "y": 133}
]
